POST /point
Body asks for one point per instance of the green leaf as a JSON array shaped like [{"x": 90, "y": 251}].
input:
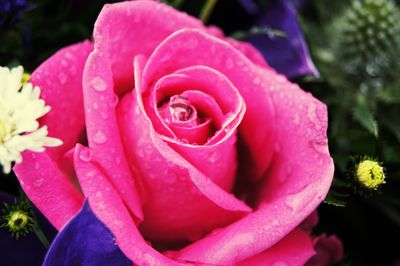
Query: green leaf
[
  {"x": 240, "y": 35},
  {"x": 334, "y": 200},
  {"x": 363, "y": 114}
]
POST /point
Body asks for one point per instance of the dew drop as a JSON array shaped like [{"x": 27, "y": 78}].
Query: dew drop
[
  {"x": 296, "y": 118},
  {"x": 98, "y": 84},
  {"x": 104, "y": 115},
  {"x": 118, "y": 160},
  {"x": 137, "y": 109},
  {"x": 279, "y": 263},
  {"x": 38, "y": 182},
  {"x": 90, "y": 173},
  {"x": 62, "y": 77},
  {"x": 229, "y": 63},
  {"x": 320, "y": 146},
  {"x": 311, "y": 113},
  {"x": 95, "y": 106},
  {"x": 99, "y": 137},
  {"x": 114, "y": 101},
  {"x": 85, "y": 155}
]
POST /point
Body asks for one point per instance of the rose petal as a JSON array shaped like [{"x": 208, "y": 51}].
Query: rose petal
[
  {"x": 48, "y": 188},
  {"x": 126, "y": 29},
  {"x": 294, "y": 250},
  {"x": 60, "y": 81},
  {"x": 102, "y": 198},
  {"x": 102, "y": 129},
  {"x": 257, "y": 127}
]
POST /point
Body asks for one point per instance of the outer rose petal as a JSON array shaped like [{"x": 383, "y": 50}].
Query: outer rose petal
[
  {"x": 109, "y": 208},
  {"x": 294, "y": 250},
  {"x": 302, "y": 169},
  {"x": 102, "y": 128},
  {"x": 48, "y": 188},
  {"x": 127, "y": 29},
  {"x": 60, "y": 81}
]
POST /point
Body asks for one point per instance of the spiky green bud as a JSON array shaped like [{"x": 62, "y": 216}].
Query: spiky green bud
[
  {"x": 17, "y": 218},
  {"x": 370, "y": 28},
  {"x": 369, "y": 40}
]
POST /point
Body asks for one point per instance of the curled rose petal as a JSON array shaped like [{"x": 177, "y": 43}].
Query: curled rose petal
[
  {"x": 102, "y": 129},
  {"x": 41, "y": 175},
  {"x": 295, "y": 249}
]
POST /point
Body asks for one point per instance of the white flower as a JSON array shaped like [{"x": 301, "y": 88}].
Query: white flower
[{"x": 20, "y": 107}]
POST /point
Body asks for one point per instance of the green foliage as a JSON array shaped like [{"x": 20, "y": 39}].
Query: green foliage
[{"x": 355, "y": 46}]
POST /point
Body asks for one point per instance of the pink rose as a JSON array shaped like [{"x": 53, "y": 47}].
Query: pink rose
[
  {"x": 195, "y": 145},
  {"x": 329, "y": 251}
]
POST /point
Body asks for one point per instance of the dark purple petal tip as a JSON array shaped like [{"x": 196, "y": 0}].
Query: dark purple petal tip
[{"x": 85, "y": 240}]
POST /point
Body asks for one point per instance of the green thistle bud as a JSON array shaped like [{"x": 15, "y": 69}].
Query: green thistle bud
[
  {"x": 370, "y": 28},
  {"x": 17, "y": 218},
  {"x": 369, "y": 39}
]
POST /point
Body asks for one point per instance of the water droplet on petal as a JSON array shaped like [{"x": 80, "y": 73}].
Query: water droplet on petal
[
  {"x": 85, "y": 155},
  {"x": 95, "y": 106},
  {"x": 62, "y": 77},
  {"x": 98, "y": 84},
  {"x": 137, "y": 109},
  {"x": 229, "y": 63},
  {"x": 38, "y": 182},
  {"x": 104, "y": 115},
  {"x": 99, "y": 137},
  {"x": 117, "y": 160},
  {"x": 114, "y": 101},
  {"x": 279, "y": 263}
]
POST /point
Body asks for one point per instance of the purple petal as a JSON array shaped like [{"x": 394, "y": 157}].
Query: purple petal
[
  {"x": 289, "y": 55},
  {"x": 27, "y": 250},
  {"x": 85, "y": 241},
  {"x": 250, "y": 6}
]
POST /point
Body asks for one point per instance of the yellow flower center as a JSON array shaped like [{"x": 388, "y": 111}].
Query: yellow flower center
[
  {"x": 370, "y": 174},
  {"x": 18, "y": 220},
  {"x": 25, "y": 78}
]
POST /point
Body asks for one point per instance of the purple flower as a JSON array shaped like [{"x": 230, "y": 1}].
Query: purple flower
[
  {"x": 289, "y": 55},
  {"x": 11, "y": 10},
  {"x": 85, "y": 241}
]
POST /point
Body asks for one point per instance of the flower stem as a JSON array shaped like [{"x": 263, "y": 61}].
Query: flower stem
[
  {"x": 40, "y": 235},
  {"x": 36, "y": 227},
  {"x": 207, "y": 9}
]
